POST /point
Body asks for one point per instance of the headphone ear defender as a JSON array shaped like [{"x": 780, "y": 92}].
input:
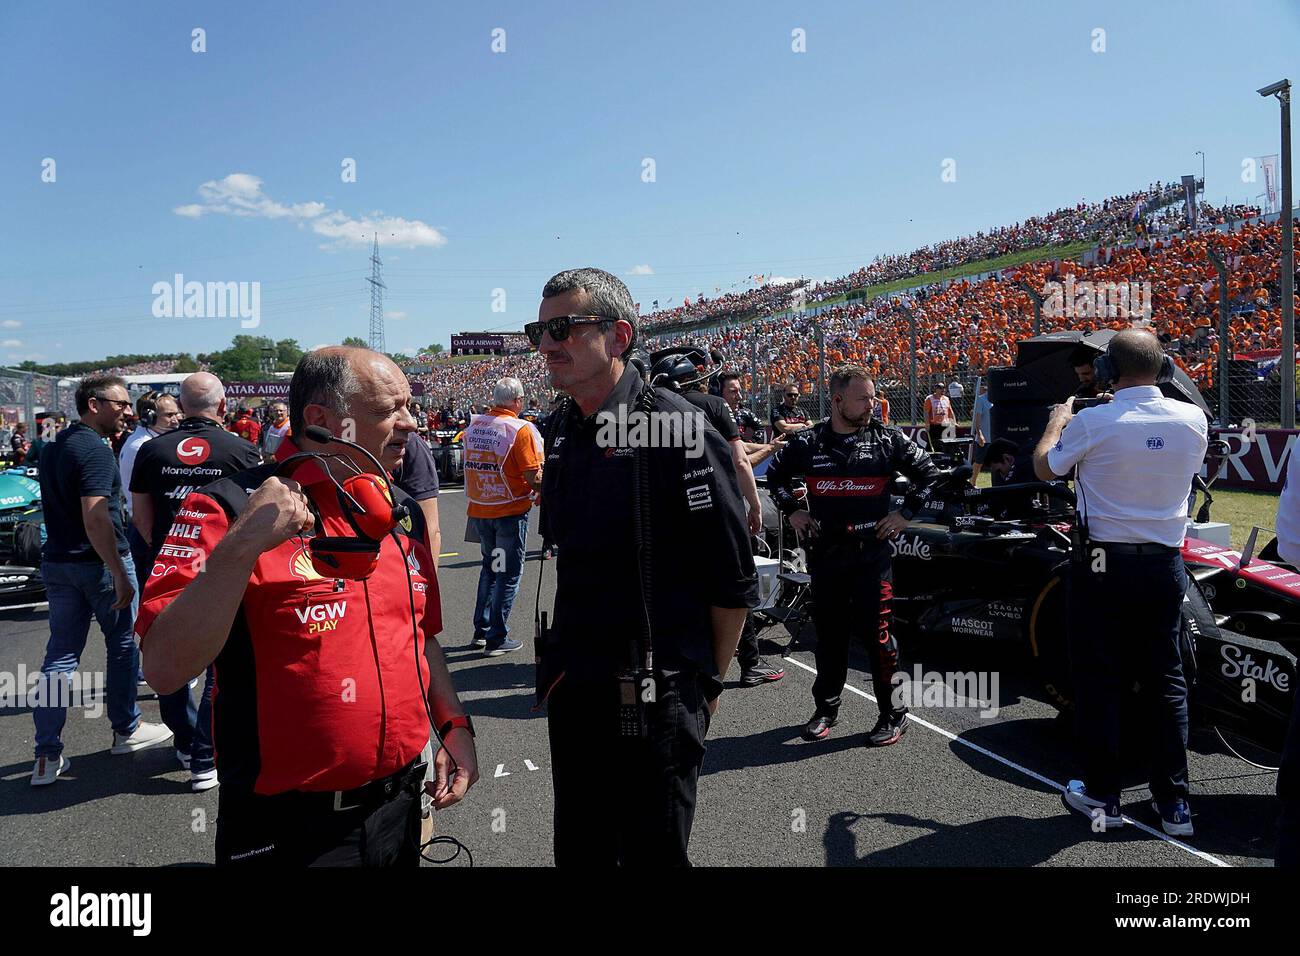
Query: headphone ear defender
[
  {"x": 353, "y": 558},
  {"x": 149, "y": 408},
  {"x": 1102, "y": 370},
  {"x": 379, "y": 516}
]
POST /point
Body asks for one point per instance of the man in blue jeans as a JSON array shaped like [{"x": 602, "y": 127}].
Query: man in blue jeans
[
  {"x": 156, "y": 414},
  {"x": 87, "y": 568},
  {"x": 503, "y": 471},
  {"x": 168, "y": 467}
]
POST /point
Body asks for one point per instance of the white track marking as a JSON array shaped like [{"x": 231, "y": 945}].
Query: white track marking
[{"x": 1025, "y": 770}]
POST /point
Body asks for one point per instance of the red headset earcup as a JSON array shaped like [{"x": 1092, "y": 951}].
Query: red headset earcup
[
  {"x": 343, "y": 557},
  {"x": 372, "y": 494}
]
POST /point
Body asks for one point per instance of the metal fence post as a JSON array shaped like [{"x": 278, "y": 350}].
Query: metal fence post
[{"x": 1225, "y": 343}]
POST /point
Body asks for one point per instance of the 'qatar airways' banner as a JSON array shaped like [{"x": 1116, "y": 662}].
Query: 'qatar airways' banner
[{"x": 267, "y": 390}]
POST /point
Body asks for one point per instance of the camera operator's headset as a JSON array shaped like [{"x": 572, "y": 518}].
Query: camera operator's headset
[
  {"x": 366, "y": 501},
  {"x": 1103, "y": 369}
]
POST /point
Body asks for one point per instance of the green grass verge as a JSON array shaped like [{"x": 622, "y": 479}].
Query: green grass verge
[
  {"x": 1244, "y": 510},
  {"x": 1068, "y": 251}
]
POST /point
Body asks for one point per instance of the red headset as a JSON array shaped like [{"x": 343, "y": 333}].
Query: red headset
[{"x": 366, "y": 501}]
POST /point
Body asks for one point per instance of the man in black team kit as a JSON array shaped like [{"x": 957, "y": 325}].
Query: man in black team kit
[
  {"x": 788, "y": 418},
  {"x": 848, "y": 462},
  {"x": 167, "y": 468}
]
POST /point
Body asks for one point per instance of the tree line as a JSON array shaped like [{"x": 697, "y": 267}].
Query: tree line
[{"x": 241, "y": 362}]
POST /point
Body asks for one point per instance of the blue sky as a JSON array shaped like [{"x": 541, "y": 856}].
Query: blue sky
[{"x": 486, "y": 171}]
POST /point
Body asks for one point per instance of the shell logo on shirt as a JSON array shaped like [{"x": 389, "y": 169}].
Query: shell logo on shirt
[{"x": 301, "y": 567}]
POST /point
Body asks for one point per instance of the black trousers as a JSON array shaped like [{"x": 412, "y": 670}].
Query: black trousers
[
  {"x": 1288, "y": 789},
  {"x": 296, "y": 830},
  {"x": 1124, "y": 623},
  {"x": 620, "y": 800},
  {"x": 851, "y": 601},
  {"x": 747, "y": 649}
]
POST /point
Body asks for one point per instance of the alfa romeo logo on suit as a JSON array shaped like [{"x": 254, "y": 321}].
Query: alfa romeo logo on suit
[{"x": 193, "y": 451}]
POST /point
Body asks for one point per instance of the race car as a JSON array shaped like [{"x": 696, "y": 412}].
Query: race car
[
  {"x": 1000, "y": 576},
  {"x": 448, "y": 455},
  {"x": 22, "y": 532}
]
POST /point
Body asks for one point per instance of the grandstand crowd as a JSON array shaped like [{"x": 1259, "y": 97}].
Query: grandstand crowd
[
  {"x": 966, "y": 326},
  {"x": 963, "y": 326}
]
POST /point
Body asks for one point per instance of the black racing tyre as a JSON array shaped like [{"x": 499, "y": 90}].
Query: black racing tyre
[
  {"x": 1047, "y": 643},
  {"x": 1049, "y": 646}
]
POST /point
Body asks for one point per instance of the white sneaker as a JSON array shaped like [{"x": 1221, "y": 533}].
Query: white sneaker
[
  {"x": 47, "y": 770},
  {"x": 146, "y": 735},
  {"x": 1104, "y": 814},
  {"x": 183, "y": 759},
  {"x": 202, "y": 780}
]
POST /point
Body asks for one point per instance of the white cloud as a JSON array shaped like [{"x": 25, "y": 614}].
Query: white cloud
[
  {"x": 11, "y": 324},
  {"x": 12, "y": 344},
  {"x": 396, "y": 316},
  {"x": 640, "y": 271},
  {"x": 240, "y": 194}
]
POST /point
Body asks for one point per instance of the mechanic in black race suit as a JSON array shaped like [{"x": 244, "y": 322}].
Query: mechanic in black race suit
[{"x": 848, "y": 462}]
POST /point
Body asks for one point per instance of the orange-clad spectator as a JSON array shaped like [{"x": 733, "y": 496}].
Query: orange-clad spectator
[
  {"x": 503, "y": 472},
  {"x": 938, "y": 414}
]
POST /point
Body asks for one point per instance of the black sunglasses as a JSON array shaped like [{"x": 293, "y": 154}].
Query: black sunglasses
[
  {"x": 560, "y": 325},
  {"x": 117, "y": 403}
]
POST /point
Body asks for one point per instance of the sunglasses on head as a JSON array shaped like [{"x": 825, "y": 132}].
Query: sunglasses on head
[{"x": 560, "y": 325}]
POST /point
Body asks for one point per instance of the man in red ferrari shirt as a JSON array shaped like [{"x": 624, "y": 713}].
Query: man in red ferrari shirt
[
  {"x": 319, "y": 709},
  {"x": 246, "y": 426}
]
